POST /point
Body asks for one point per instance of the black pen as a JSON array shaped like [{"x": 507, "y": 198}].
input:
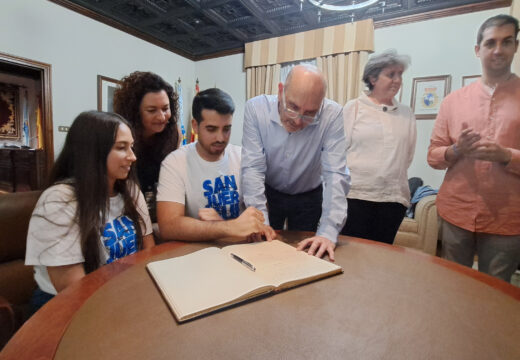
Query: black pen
[{"x": 243, "y": 262}]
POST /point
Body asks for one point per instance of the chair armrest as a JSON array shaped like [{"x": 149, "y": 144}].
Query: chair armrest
[
  {"x": 7, "y": 321},
  {"x": 428, "y": 223}
]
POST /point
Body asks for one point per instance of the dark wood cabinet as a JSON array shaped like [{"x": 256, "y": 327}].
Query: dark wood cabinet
[{"x": 21, "y": 169}]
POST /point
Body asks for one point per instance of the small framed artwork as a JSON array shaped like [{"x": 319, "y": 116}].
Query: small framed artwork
[
  {"x": 466, "y": 80},
  {"x": 9, "y": 115},
  {"x": 427, "y": 95},
  {"x": 106, "y": 88}
]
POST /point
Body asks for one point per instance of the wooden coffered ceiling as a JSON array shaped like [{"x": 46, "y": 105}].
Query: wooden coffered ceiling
[{"x": 201, "y": 29}]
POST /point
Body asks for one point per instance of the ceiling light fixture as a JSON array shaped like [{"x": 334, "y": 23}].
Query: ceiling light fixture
[
  {"x": 322, "y": 4},
  {"x": 355, "y": 5}
]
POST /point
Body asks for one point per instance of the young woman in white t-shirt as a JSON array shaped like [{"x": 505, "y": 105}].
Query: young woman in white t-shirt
[{"x": 93, "y": 213}]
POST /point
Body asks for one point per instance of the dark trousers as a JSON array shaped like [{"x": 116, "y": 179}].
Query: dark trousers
[
  {"x": 302, "y": 211},
  {"x": 371, "y": 220}
]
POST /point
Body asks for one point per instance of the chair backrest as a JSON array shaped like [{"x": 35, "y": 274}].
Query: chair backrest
[
  {"x": 15, "y": 213},
  {"x": 16, "y": 280}
]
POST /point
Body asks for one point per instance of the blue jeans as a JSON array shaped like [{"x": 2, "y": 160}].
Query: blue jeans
[
  {"x": 38, "y": 299},
  {"x": 302, "y": 211}
]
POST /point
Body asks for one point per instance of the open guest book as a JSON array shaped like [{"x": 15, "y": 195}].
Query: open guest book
[{"x": 213, "y": 278}]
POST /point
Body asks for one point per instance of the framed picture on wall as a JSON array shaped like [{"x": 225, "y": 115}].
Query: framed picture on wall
[
  {"x": 427, "y": 95},
  {"x": 106, "y": 88},
  {"x": 466, "y": 80},
  {"x": 9, "y": 115}
]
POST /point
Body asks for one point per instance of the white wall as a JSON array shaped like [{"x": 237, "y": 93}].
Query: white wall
[
  {"x": 442, "y": 46},
  {"x": 227, "y": 74},
  {"x": 79, "y": 49}
]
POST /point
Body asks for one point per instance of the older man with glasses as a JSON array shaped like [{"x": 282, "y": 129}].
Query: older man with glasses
[{"x": 294, "y": 159}]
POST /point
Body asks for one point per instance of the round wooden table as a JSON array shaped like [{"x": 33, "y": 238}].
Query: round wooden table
[{"x": 390, "y": 303}]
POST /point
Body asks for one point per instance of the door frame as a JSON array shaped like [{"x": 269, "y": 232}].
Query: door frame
[{"x": 45, "y": 71}]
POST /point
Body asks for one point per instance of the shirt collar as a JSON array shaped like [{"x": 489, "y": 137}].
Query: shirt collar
[{"x": 365, "y": 100}]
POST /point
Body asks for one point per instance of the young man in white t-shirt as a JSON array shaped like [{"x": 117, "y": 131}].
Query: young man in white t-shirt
[{"x": 198, "y": 196}]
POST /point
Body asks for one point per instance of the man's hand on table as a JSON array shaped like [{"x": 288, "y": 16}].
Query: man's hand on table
[
  {"x": 266, "y": 232},
  {"x": 250, "y": 220},
  {"x": 318, "y": 245},
  {"x": 250, "y": 224}
]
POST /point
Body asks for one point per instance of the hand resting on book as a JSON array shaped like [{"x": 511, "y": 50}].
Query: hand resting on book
[{"x": 318, "y": 245}]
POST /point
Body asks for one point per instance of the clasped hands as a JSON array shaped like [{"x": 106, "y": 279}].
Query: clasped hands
[
  {"x": 249, "y": 225},
  {"x": 470, "y": 144}
]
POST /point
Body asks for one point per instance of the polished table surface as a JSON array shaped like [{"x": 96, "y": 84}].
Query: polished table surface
[{"x": 390, "y": 303}]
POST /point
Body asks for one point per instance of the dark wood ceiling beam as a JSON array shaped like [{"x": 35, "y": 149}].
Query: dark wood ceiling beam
[
  {"x": 207, "y": 4},
  {"x": 168, "y": 15},
  {"x": 218, "y": 19},
  {"x": 259, "y": 16}
]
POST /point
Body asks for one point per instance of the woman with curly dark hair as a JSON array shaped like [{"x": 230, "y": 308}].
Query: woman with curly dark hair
[{"x": 150, "y": 105}]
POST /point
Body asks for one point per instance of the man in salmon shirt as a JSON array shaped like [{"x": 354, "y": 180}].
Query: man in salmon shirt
[{"x": 477, "y": 138}]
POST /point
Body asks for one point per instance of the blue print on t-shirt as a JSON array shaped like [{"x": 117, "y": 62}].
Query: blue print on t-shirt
[
  {"x": 222, "y": 195},
  {"x": 119, "y": 238}
]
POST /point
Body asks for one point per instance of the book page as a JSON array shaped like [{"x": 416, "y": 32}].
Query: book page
[
  {"x": 202, "y": 280},
  {"x": 278, "y": 263}
]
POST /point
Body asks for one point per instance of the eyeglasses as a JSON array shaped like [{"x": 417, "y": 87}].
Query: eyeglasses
[{"x": 293, "y": 114}]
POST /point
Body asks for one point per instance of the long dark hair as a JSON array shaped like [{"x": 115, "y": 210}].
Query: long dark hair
[
  {"x": 83, "y": 164},
  {"x": 127, "y": 100}
]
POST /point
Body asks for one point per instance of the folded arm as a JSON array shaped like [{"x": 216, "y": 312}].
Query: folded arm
[{"x": 174, "y": 225}]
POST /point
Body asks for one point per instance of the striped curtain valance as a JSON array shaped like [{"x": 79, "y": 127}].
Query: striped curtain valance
[{"x": 344, "y": 38}]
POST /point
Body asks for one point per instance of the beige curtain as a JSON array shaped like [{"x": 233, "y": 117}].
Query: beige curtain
[
  {"x": 515, "y": 11},
  {"x": 262, "y": 80},
  {"x": 343, "y": 73},
  {"x": 342, "y": 50}
]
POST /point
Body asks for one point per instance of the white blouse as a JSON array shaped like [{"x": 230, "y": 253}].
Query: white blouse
[{"x": 380, "y": 147}]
